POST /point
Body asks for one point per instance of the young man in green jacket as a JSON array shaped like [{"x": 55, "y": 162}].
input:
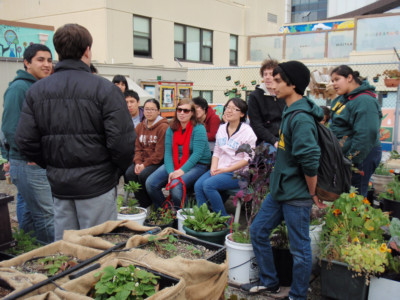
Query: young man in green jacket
[
  {"x": 293, "y": 184},
  {"x": 35, "y": 202}
]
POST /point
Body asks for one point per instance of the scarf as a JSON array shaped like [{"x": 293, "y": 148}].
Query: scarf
[{"x": 181, "y": 139}]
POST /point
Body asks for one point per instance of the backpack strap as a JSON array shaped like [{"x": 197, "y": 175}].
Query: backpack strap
[{"x": 352, "y": 97}]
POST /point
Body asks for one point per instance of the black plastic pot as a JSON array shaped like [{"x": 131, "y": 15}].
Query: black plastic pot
[
  {"x": 392, "y": 206},
  {"x": 283, "y": 260},
  {"x": 147, "y": 222},
  {"x": 6, "y": 239},
  {"x": 338, "y": 282}
]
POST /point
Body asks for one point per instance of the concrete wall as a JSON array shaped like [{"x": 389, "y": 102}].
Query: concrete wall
[{"x": 110, "y": 23}]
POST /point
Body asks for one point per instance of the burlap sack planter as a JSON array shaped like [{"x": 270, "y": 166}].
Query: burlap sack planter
[
  {"x": 39, "y": 285},
  {"x": 91, "y": 237},
  {"x": 171, "y": 287},
  {"x": 204, "y": 279}
]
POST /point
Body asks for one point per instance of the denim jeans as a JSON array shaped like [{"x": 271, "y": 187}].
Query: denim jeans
[
  {"x": 21, "y": 211},
  {"x": 207, "y": 187},
  {"x": 32, "y": 184},
  {"x": 159, "y": 179},
  {"x": 297, "y": 220},
  {"x": 368, "y": 165},
  {"x": 141, "y": 195},
  {"x": 76, "y": 214}
]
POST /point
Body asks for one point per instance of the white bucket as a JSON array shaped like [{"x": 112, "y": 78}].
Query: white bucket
[
  {"x": 243, "y": 266},
  {"x": 182, "y": 218},
  {"x": 139, "y": 218},
  {"x": 315, "y": 236}
]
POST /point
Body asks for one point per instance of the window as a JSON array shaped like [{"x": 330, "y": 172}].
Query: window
[
  {"x": 233, "y": 50},
  {"x": 141, "y": 36},
  {"x": 208, "y": 95},
  {"x": 193, "y": 44},
  {"x": 272, "y": 18}
]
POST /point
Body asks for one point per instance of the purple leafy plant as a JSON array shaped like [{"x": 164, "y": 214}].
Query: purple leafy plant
[{"x": 254, "y": 183}]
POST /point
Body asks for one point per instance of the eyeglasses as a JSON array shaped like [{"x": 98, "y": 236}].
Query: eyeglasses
[
  {"x": 150, "y": 109},
  {"x": 186, "y": 111},
  {"x": 232, "y": 108}
]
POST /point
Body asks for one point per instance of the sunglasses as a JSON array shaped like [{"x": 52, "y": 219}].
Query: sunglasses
[{"x": 186, "y": 111}]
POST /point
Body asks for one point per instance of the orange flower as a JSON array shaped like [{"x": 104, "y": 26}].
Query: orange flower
[
  {"x": 370, "y": 184},
  {"x": 391, "y": 171},
  {"x": 337, "y": 212},
  {"x": 352, "y": 195},
  {"x": 366, "y": 201},
  {"x": 383, "y": 248},
  {"x": 356, "y": 240},
  {"x": 354, "y": 209},
  {"x": 389, "y": 250},
  {"x": 390, "y": 191}
]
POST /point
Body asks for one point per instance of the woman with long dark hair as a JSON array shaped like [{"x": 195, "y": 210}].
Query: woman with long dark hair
[
  {"x": 187, "y": 156},
  {"x": 224, "y": 161},
  {"x": 356, "y": 119}
]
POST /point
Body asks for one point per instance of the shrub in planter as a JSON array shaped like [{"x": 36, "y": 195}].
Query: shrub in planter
[
  {"x": 131, "y": 211},
  {"x": 207, "y": 225},
  {"x": 381, "y": 177},
  {"x": 24, "y": 243},
  {"x": 161, "y": 217},
  {"x": 391, "y": 198}
]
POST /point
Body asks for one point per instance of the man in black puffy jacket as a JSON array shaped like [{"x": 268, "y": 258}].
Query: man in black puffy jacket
[{"x": 77, "y": 126}]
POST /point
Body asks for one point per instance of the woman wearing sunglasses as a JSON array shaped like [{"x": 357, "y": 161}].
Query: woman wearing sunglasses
[
  {"x": 224, "y": 161},
  {"x": 187, "y": 156}
]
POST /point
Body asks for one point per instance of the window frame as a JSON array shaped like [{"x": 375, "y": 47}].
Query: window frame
[
  {"x": 201, "y": 95},
  {"x": 149, "y": 39},
  {"x": 234, "y": 50},
  {"x": 201, "y": 46}
]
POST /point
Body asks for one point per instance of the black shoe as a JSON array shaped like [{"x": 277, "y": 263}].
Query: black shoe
[{"x": 257, "y": 287}]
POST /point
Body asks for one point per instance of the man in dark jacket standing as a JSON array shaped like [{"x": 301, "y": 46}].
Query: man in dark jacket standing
[
  {"x": 77, "y": 126},
  {"x": 265, "y": 109}
]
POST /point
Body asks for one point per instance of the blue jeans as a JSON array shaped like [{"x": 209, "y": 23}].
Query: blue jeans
[
  {"x": 159, "y": 179},
  {"x": 297, "y": 220},
  {"x": 207, "y": 187},
  {"x": 21, "y": 211},
  {"x": 32, "y": 184},
  {"x": 369, "y": 164}
]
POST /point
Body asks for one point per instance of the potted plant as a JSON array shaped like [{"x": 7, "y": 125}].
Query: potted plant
[
  {"x": 317, "y": 220},
  {"x": 381, "y": 177},
  {"x": 24, "y": 243},
  {"x": 352, "y": 247},
  {"x": 254, "y": 187},
  {"x": 131, "y": 211},
  {"x": 207, "y": 225},
  {"x": 161, "y": 217},
  {"x": 391, "y": 198},
  {"x": 392, "y": 78}
]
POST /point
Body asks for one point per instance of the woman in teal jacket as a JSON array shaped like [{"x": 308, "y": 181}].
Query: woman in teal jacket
[
  {"x": 356, "y": 119},
  {"x": 187, "y": 156}
]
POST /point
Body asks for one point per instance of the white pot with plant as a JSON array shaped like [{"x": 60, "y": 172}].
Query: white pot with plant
[
  {"x": 131, "y": 211},
  {"x": 381, "y": 177}
]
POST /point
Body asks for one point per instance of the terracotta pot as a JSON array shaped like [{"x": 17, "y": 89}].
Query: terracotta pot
[{"x": 392, "y": 82}]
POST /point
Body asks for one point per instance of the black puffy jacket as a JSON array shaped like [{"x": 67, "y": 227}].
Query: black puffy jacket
[{"x": 77, "y": 126}]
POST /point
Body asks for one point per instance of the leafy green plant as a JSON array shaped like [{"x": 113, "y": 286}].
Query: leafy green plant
[
  {"x": 353, "y": 234},
  {"x": 383, "y": 170},
  {"x": 394, "y": 154},
  {"x": 24, "y": 242},
  {"x": 57, "y": 263},
  {"x": 168, "y": 246},
  {"x": 206, "y": 221},
  {"x": 240, "y": 236},
  {"x": 394, "y": 230},
  {"x": 132, "y": 204},
  {"x": 392, "y": 190},
  {"x": 280, "y": 237},
  {"x": 317, "y": 215},
  {"x": 161, "y": 216},
  {"x": 125, "y": 283}
]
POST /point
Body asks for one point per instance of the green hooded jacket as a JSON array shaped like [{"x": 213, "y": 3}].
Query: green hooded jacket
[
  {"x": 298, "y": 152},
  {"x": 359, "y": 119},
  {"x": 14, "y": 98}
]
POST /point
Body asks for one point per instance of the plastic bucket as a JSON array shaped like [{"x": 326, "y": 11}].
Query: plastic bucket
[
  {"x": 315, "y": 234},
  {"x": 216, "y": 237},
  {"x": 380, "y": 182},
  {"x": 243, "y": 266},
  {"x": 139, "y": 218},
  {"x": 182, "y": 218}
]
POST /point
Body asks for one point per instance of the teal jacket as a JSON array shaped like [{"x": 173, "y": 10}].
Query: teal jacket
[
  {"x": 198, "y": 148},
  {"x": 359, "y": 119},
  {"x": 298, "y": 152},
  {"x": 14, "y": 98}
]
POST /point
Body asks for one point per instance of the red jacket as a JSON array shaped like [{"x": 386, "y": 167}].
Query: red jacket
[{"x": 211, "y": 123}]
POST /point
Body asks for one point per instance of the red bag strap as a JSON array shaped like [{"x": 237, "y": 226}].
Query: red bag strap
[
  {"x": 352, "y": 97},
  {"x": 168, "y": 203}
]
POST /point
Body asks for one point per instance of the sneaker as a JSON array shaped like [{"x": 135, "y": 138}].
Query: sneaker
[{"x": 257, "y": 287}]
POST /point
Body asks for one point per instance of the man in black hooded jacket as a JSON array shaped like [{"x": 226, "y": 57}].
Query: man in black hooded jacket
[{"x": 77, "y": 126}]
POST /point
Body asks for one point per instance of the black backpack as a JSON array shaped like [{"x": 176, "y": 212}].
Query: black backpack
[{"x": 334, "y": 172}]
